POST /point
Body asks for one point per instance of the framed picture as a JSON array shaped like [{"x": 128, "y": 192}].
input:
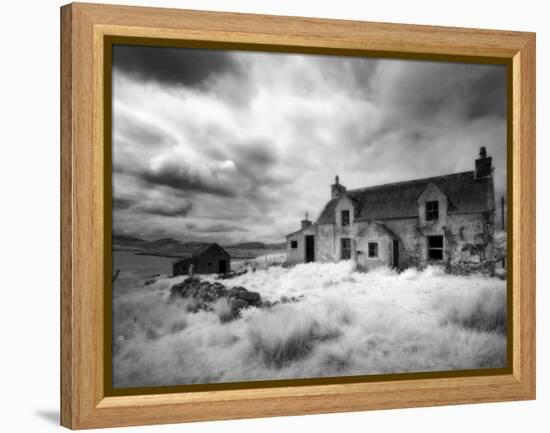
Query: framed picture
[{"x": 269, "y": 216}]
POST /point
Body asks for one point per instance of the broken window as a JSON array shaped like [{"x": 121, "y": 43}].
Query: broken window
[
  {"x": 432, "y": 210},
  {"x": 345, "y": 218},
  {"x": 293, "y": 244},
  {"x": 435, "y": 247},
  {"x": 346, "y": 249},
  {"x": 373, "y": 250}
]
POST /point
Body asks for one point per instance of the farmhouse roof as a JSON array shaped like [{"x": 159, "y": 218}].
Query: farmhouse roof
[{"x": 399, "y": 200}]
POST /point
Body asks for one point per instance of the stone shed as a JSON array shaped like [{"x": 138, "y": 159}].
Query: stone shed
[{"x": 210, "y": 258}]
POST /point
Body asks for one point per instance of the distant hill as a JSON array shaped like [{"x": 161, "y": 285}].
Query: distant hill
[
  {"x": 127, "y": 243},
  {"x": 126, "y": 239},
  {"x": 169, "y": 247},
  {"x": 259, "y": 246}
]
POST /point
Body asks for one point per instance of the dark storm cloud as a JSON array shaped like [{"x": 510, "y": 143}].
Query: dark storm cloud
[
  {"x": 422, "y": 91},
  {"x": 172, "y": 66},
  {"x": 253, "y": 168},
  {"x": 354, "y": 75},
  {"x": 488, "y": 94},
  {"x": 181, "y": 177},
  {"x": 259, "y": 153},
  {"x": 216, "y": 228},
  {"x": 122, "y": 203},
  {"x": 166, "y": 209}
]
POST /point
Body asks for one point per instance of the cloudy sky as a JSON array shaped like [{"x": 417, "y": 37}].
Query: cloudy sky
[{"x": 234, "y": 146}]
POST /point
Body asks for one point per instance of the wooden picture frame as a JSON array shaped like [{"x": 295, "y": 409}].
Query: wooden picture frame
[{"x": 85, "y": 204}]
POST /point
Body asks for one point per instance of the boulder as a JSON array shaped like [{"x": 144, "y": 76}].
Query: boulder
[
  {"x": 201, "y": 291},
  {"x": 235, "y": 292},
  {"x": 237, "y": 305},
  {"x": 250, "y": 297}
]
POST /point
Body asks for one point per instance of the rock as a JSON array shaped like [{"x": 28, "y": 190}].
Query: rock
[
  {"x": 204, "y": 293},
  {"x": 236, "y": 291},
  {"x": 250, "y": 297},
  {"x": 237, "y": 305},
  {"x": 201, "y": 291},
  {"x": 232, "y": 274}
]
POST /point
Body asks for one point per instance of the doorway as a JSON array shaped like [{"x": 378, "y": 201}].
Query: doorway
[
  {"x": 395, "y": 253},
  {"x": 345, "y": 248},
  {"x": 310, "y": 248},
  {"x": 223, "y": 266}
]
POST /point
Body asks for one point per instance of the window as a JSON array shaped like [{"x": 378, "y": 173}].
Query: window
[
  {"x": 373, "y": 250},
  {"x": 346, "y": 248},
  {"x": 345, "y": 218},
  {"x": 432, "y": 210},
  {"x": 435, "y": 247},
  {"x": 293, "y": 244}
]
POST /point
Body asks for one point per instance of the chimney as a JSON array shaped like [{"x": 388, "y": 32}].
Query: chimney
[
  {"x": 484, "y": 165},
  {"x": 336, "y": 189},
  {"x": 306, "y": 222}
]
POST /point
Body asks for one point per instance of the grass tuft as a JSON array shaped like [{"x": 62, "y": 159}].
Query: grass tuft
[{"x": 484, "y": 311}]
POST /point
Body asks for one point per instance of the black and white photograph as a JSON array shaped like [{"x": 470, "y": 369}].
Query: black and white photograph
[{"x": 285, "y": 216}]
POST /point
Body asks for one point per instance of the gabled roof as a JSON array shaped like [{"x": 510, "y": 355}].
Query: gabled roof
[
  {"x": 385, "y": 229},
  {"x": 399, "y": 200},
  {"x": 199, "y": 251},
  {"x": 309, "y": 227}
]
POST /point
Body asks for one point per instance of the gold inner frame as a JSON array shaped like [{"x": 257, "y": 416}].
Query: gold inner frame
[{"x": 107, "y": 41}]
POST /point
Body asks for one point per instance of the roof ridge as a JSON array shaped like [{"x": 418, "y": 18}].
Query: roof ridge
[{"x": 425, "y": 179}]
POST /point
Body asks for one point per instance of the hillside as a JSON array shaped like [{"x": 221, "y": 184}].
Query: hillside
[
  {"x": 169, "y": 247},
  {"x": 316, "y": 320}
]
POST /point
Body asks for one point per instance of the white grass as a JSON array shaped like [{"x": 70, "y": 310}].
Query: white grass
[{"x": 344, "y": 323}]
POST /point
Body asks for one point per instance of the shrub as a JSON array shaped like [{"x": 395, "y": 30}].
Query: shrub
[
  {"x": 484, "y": 310},
  {"x": 146, "y": 315},
  {"x": 287, "y": 334},
  {"x": 222, "y": 308},
  {"x": 281, "y": 336}
]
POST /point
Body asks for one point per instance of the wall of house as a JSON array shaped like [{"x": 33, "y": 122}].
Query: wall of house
[
  {"x": 366, "y": 232},
  {"x": 181, "y": 268},
  {"x": 325, "y": 248},
  {"x": 344, "y": 231},
  {"x": 406, "y": 229},
  {"x": 297, "y": 255},
  {"x": 468, "y": 241}
]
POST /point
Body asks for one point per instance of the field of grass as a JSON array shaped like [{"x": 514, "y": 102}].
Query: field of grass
[{"x": 328, "y": 320}]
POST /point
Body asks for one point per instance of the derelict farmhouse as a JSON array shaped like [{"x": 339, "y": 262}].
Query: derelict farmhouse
[{"x": 447, "y": 219}]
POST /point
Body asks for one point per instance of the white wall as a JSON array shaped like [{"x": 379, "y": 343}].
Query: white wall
[{"x": 29, "y": 276}]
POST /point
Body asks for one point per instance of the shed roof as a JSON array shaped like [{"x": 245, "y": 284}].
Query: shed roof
[
  {"x": 200, "y": 251},
  {"x": 399, "y": 200}
]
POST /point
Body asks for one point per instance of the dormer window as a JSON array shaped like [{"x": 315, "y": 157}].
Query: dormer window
[
  {"x": 345, "y": 218},
  {"x": 432, "y": 210}
]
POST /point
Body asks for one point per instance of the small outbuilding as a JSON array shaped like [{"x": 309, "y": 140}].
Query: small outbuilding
[{"x": 210, "y": 258}]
